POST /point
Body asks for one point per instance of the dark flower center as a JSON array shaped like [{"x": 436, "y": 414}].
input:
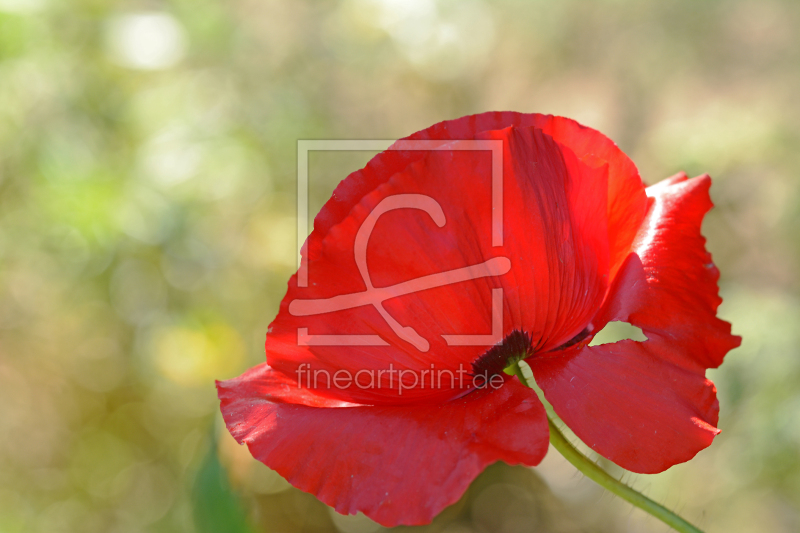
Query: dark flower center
[{"x": 517, "y": 346}]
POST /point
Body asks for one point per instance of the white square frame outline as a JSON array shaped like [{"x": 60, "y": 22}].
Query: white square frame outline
[{"x": 304, "y": 146}]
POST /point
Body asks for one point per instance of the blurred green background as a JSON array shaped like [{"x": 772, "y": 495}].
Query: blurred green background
[{"x": 147, "y": 193}]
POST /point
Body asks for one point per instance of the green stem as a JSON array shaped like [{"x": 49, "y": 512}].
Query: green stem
[
  {"x": 516, "y": 370},
  {"x": 589, "y": 469}
]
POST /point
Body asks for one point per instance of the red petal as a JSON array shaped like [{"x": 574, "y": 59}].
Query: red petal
[
  {"x": 555, "y": 239},
  {"x": 647, "y": 406},
  {"x": 627, "y": 203},
  {"x": 630, "y": 405},
  {"x": 669, "y": 286},
  {"x": 262, "y": 382},
  {"x": 397, "y": 465}
]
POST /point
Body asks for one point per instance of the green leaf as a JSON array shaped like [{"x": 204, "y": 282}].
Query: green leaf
[{"x": 217, "y": 508}]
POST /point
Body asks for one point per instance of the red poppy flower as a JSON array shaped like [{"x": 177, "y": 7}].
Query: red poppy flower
[{"x": 583, "y": 243}]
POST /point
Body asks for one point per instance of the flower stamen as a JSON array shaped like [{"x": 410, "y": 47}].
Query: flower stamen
[{"x": 515, "y": 347}]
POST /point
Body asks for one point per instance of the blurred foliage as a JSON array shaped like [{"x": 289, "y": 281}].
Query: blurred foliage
[
  {"x": 147, "y": 178},
  {"x": 216, "y": 507}
]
